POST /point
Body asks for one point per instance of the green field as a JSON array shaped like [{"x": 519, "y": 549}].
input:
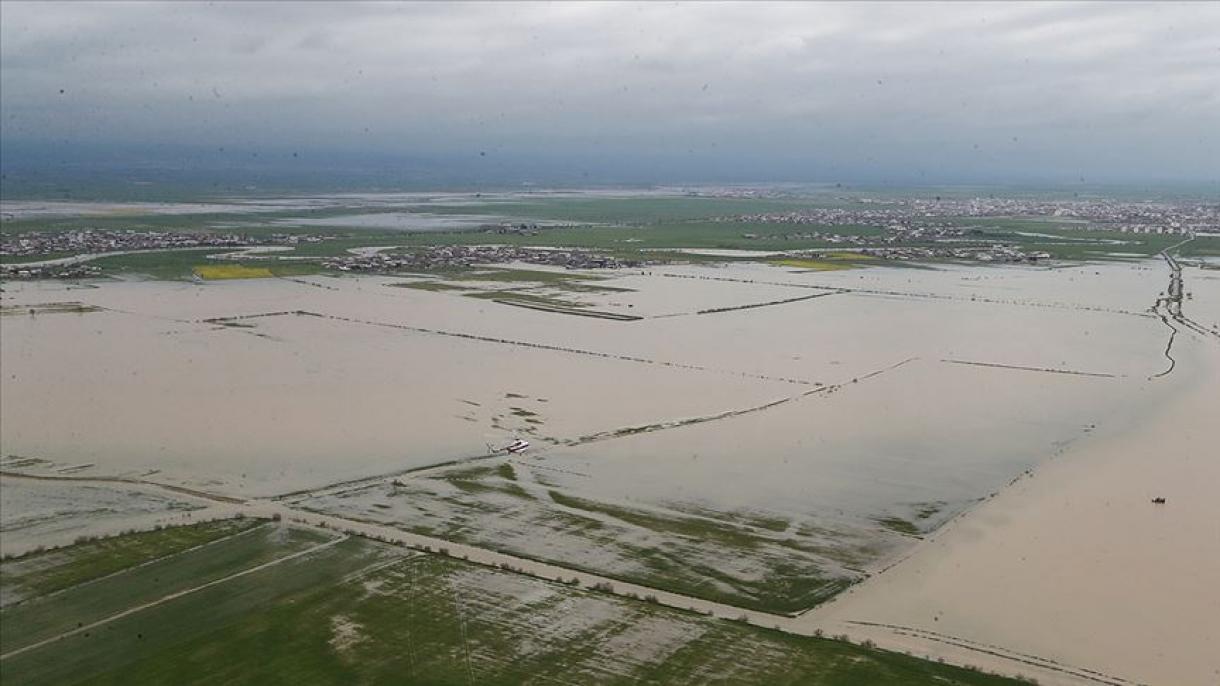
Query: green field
[
  {"x": 358, "y": 611},
  {"x": 45, "y": 616},
  {"x": 54, "y": 570},
  {"x": 182, "y": 264}
]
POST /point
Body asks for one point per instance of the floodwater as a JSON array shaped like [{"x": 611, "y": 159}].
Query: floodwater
[
  {"x": 17, "y": 210},
  {"x": 394, "y": 378},
  {"x": 290, "y": 401},
  {"x": 886, "y": 446},
  {"x": 36, "y": 513},
  {"x": 999, "y": 368},
  {"x": 872, "y": 406},
  {"x": 35, "y": 209},
  {"x": 1203, "y": 289},
  {"x": 398, "y": 221},
  {"x": 1074, "y": 575}
]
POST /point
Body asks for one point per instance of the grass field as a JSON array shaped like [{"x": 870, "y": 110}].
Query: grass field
[
  {"x": 182, "y": 264},
  {"x": 826, "y": 265},
  {"x": 365, "y": 612},
  {"x": 48, "y": 615},
  {"x": 72, "y": 307},
  {"x": 46, "y": 572},
  {"x": 219, "y": 272}
]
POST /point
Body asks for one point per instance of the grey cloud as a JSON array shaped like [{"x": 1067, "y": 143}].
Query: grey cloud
[{"x": 1126, "y": 90}]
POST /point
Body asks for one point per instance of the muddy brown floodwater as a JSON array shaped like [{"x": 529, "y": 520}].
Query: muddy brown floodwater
[{"x": 991, "y": 437}]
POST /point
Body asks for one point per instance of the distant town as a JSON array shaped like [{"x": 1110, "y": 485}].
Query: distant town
[
  {"x": 988, "y": 230},
  {"x": 64, "y": 251},
  {"x": 461, "y": 256},
  {"x": 95, "y": 241},
  {"x": 908, "y": 215}
]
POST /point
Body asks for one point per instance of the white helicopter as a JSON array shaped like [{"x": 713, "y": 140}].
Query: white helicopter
[{"x": 517, "y": 447}]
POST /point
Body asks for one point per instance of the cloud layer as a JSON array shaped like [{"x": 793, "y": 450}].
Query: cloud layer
[{"x": 907, "y": 91}]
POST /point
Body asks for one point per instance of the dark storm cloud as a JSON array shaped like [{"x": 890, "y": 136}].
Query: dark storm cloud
[{"x": 906, "y": 91}]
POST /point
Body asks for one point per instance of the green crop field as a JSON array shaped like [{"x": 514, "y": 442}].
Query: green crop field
[
  {"x": 181, "y": 264},
  {"x": 45, "y": 616},
  {"x": 46, "y": 572}
]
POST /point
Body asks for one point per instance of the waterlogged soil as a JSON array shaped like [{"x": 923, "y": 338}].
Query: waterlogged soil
[{"x": 721, "y": 556}]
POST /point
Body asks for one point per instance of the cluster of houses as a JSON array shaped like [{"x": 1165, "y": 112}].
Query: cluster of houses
[
  {"x": 911, "y": 214},
  {"x": 452, "y": 256},
  {"x": 895, "y": 233},
  {"x": 521, "y": 229},
  {"x": 49, "y": 271},
  {"x": 823, "y": 216},
  {"x": 993, "y": 253},
  {"x": 93, "y": 241}
]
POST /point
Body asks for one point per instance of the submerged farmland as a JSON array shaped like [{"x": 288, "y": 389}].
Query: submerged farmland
[
  {"x": 750, "y": 438},
  {"x": 740, "y": 440}
]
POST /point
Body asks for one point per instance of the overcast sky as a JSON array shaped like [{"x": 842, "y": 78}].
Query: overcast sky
[{"x": 790, "y": 91}]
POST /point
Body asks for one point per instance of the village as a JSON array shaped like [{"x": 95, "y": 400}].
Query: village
[
  {"x": 911, "y": 215},
  {"x": 992, "y": 253},
  {"x": 96, "y": 241},
  {"x": 897, "y": 231},
  {"x": 464, "y": 256},
  {"x": 57, "y": 270}
]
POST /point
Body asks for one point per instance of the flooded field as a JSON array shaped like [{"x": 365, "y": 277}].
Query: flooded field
[
  {"x": 38, "y": 513},
  {"x": 754, "y": 434},
  {"x": 399, "y": 221},
  {"x": 1135, "y": 604},
  {"x": 272, "y": 598},
  {"x": 207, "y": 403}
]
